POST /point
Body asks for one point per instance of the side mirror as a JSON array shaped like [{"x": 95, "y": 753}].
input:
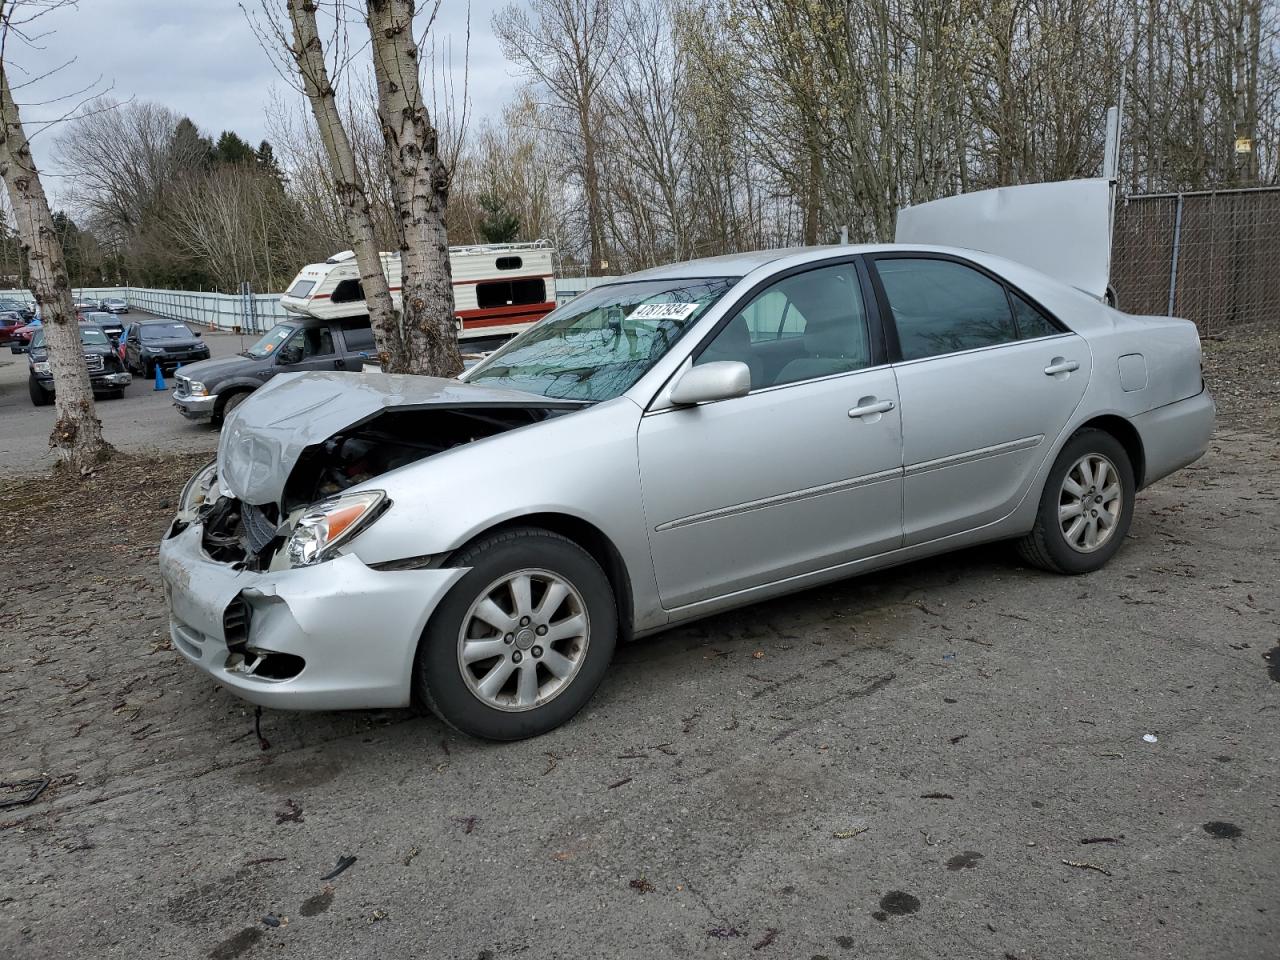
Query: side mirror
[
  {"x": 197, "y": 333},
  {"x": 721, "y": 380},
  {"x": 289, "y": 355}
]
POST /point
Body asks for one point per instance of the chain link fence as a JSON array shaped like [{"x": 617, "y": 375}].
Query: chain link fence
[{"x": 1211, "y": 256}]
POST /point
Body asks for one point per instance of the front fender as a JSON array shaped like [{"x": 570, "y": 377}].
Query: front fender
[{"x": 582, "y": 465}]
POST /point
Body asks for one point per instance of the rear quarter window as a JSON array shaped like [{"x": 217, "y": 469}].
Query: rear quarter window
[{"x": 1031, "y": 322}]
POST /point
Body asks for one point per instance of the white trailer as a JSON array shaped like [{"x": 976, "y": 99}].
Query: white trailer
[{"x": 498, "y": 288}]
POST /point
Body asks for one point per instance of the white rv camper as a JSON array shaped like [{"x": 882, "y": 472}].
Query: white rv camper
[{"x": 498, "y": 288}]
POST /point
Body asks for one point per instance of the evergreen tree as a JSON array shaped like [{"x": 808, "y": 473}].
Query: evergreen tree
[
  {"x": 189, "y": 148},
  {"x": 231, "y": 149},
  {"x": 267, "y": 161},
  {"x": 499, "y": 224}
]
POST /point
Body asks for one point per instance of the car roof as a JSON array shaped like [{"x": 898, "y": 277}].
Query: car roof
[
  {"x": 728, "y": 265},
  {"x": 158, "y": 320},
  {"x": 741, "y": 264}
]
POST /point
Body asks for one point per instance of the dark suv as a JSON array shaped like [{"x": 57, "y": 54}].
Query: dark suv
[
  {"x": 163, "y": 343},
  {"x": 106, "y": 373},
  {"x": 213, "y": 388}
]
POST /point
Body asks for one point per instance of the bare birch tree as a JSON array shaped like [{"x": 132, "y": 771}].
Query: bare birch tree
[
  {"x": 77, "y": 435},
  {"x": 420, "y": 188},
  {"x": 306, "y": 53},
  {"x": 568, "y": 48}
]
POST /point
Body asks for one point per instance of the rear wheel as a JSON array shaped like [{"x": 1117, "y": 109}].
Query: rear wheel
[
  {"x": 522, "y": 641},
  {"x": 1086, "y": 507}
]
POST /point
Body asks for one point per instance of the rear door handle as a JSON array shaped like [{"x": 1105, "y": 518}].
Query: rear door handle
[
  {"x": 870, "y": 407},
  {"x": 1061, "y": 366}
]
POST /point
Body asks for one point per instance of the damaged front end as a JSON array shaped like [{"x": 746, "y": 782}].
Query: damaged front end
[
  {"x": 262, "y": 594},
  {"x": 288, "y": 457}
]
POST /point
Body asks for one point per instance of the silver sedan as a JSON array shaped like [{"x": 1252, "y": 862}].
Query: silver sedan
[{"x": 682, "y": 441}]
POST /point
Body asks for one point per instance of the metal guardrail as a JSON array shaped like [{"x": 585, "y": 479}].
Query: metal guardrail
[
  {"x": 569, "y": 287},
  {"x": 246, "y": 313}
]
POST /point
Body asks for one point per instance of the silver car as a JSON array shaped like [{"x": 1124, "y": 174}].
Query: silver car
[{"x": 682, "y": 441}]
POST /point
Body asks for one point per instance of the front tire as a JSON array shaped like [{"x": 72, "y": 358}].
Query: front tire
[
  {"x": 40, "y": 397},
  {"x": 1086, "y": 507},
  {"x": 522, "y": 641},
  {"x": 224, "y": 409}
]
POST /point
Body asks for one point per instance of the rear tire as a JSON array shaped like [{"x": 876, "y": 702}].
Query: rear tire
[
  {"x": 1086, "y": 506},
  {"x": 539, "y": 666}
]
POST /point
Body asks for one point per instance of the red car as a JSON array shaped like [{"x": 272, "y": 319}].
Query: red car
[
  {"x": 20, "y": 339},
  {"x": 9, "y": 324}
]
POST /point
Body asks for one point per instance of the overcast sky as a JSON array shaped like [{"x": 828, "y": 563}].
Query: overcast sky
[{"x": 201, "y": 58}]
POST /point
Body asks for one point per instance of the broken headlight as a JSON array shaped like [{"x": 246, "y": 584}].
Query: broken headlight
[
  {"x": 199, "y": 490},
  {"x": 328, "y": 523}
]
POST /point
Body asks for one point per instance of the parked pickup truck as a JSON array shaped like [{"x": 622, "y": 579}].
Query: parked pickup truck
[
  {"x": 107, "y": 374},
  {"x": 211, "y": 389}
]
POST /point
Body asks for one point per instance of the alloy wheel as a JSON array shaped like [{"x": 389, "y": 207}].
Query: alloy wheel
[
  {"x": 1090, "y": 503},
  {"x": 523, "y": 639}
]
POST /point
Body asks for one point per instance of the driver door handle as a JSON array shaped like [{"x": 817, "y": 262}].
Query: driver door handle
[
  {"x": 1061, "y": 366},
  {"x": 870, "y": 409}
]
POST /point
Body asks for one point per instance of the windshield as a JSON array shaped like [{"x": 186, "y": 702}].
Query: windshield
[
  {"x": 89, "y": 336},
  {"x": 165, "y": 331},
  {"x": 599, "y": 344},
  {"x": 269, "y": 343}
]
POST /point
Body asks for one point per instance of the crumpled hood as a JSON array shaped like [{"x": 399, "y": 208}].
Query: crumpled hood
[{"x": 263, "y": 438}]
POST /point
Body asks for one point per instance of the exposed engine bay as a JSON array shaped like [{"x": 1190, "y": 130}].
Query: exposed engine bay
[
  {"x": 252, "y": 535},
  {"x": 390, "y": 440}
]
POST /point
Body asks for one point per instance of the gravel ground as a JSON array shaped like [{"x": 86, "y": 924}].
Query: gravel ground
[
  {"x": 1243, "y": 368},
  {"x": 957, "y": 758}
]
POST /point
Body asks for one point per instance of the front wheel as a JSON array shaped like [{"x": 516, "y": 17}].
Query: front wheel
[
  {"x": 1086, "y": 507},
  {"x": 522, "y": 641},
  {"x": 40, "y": 397}
]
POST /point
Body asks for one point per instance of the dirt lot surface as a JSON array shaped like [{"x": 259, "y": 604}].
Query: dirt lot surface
[{"x": 957, "y": 758}]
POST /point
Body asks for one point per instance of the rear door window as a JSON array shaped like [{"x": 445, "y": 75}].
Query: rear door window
[{"x": 940, "y": 306}]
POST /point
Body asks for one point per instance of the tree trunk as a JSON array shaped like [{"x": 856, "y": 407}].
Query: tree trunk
[
  {"x": 591, "y": 187},
  {"x": 77, "y": 434},
  {"x": 813, "y": 190},
  {"x": 353, "y": 197},
  {"x": 420, "y": 189}
]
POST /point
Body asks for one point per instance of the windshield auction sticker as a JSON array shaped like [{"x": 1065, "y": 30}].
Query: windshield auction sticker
[{"x": 663, "y": 311}]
